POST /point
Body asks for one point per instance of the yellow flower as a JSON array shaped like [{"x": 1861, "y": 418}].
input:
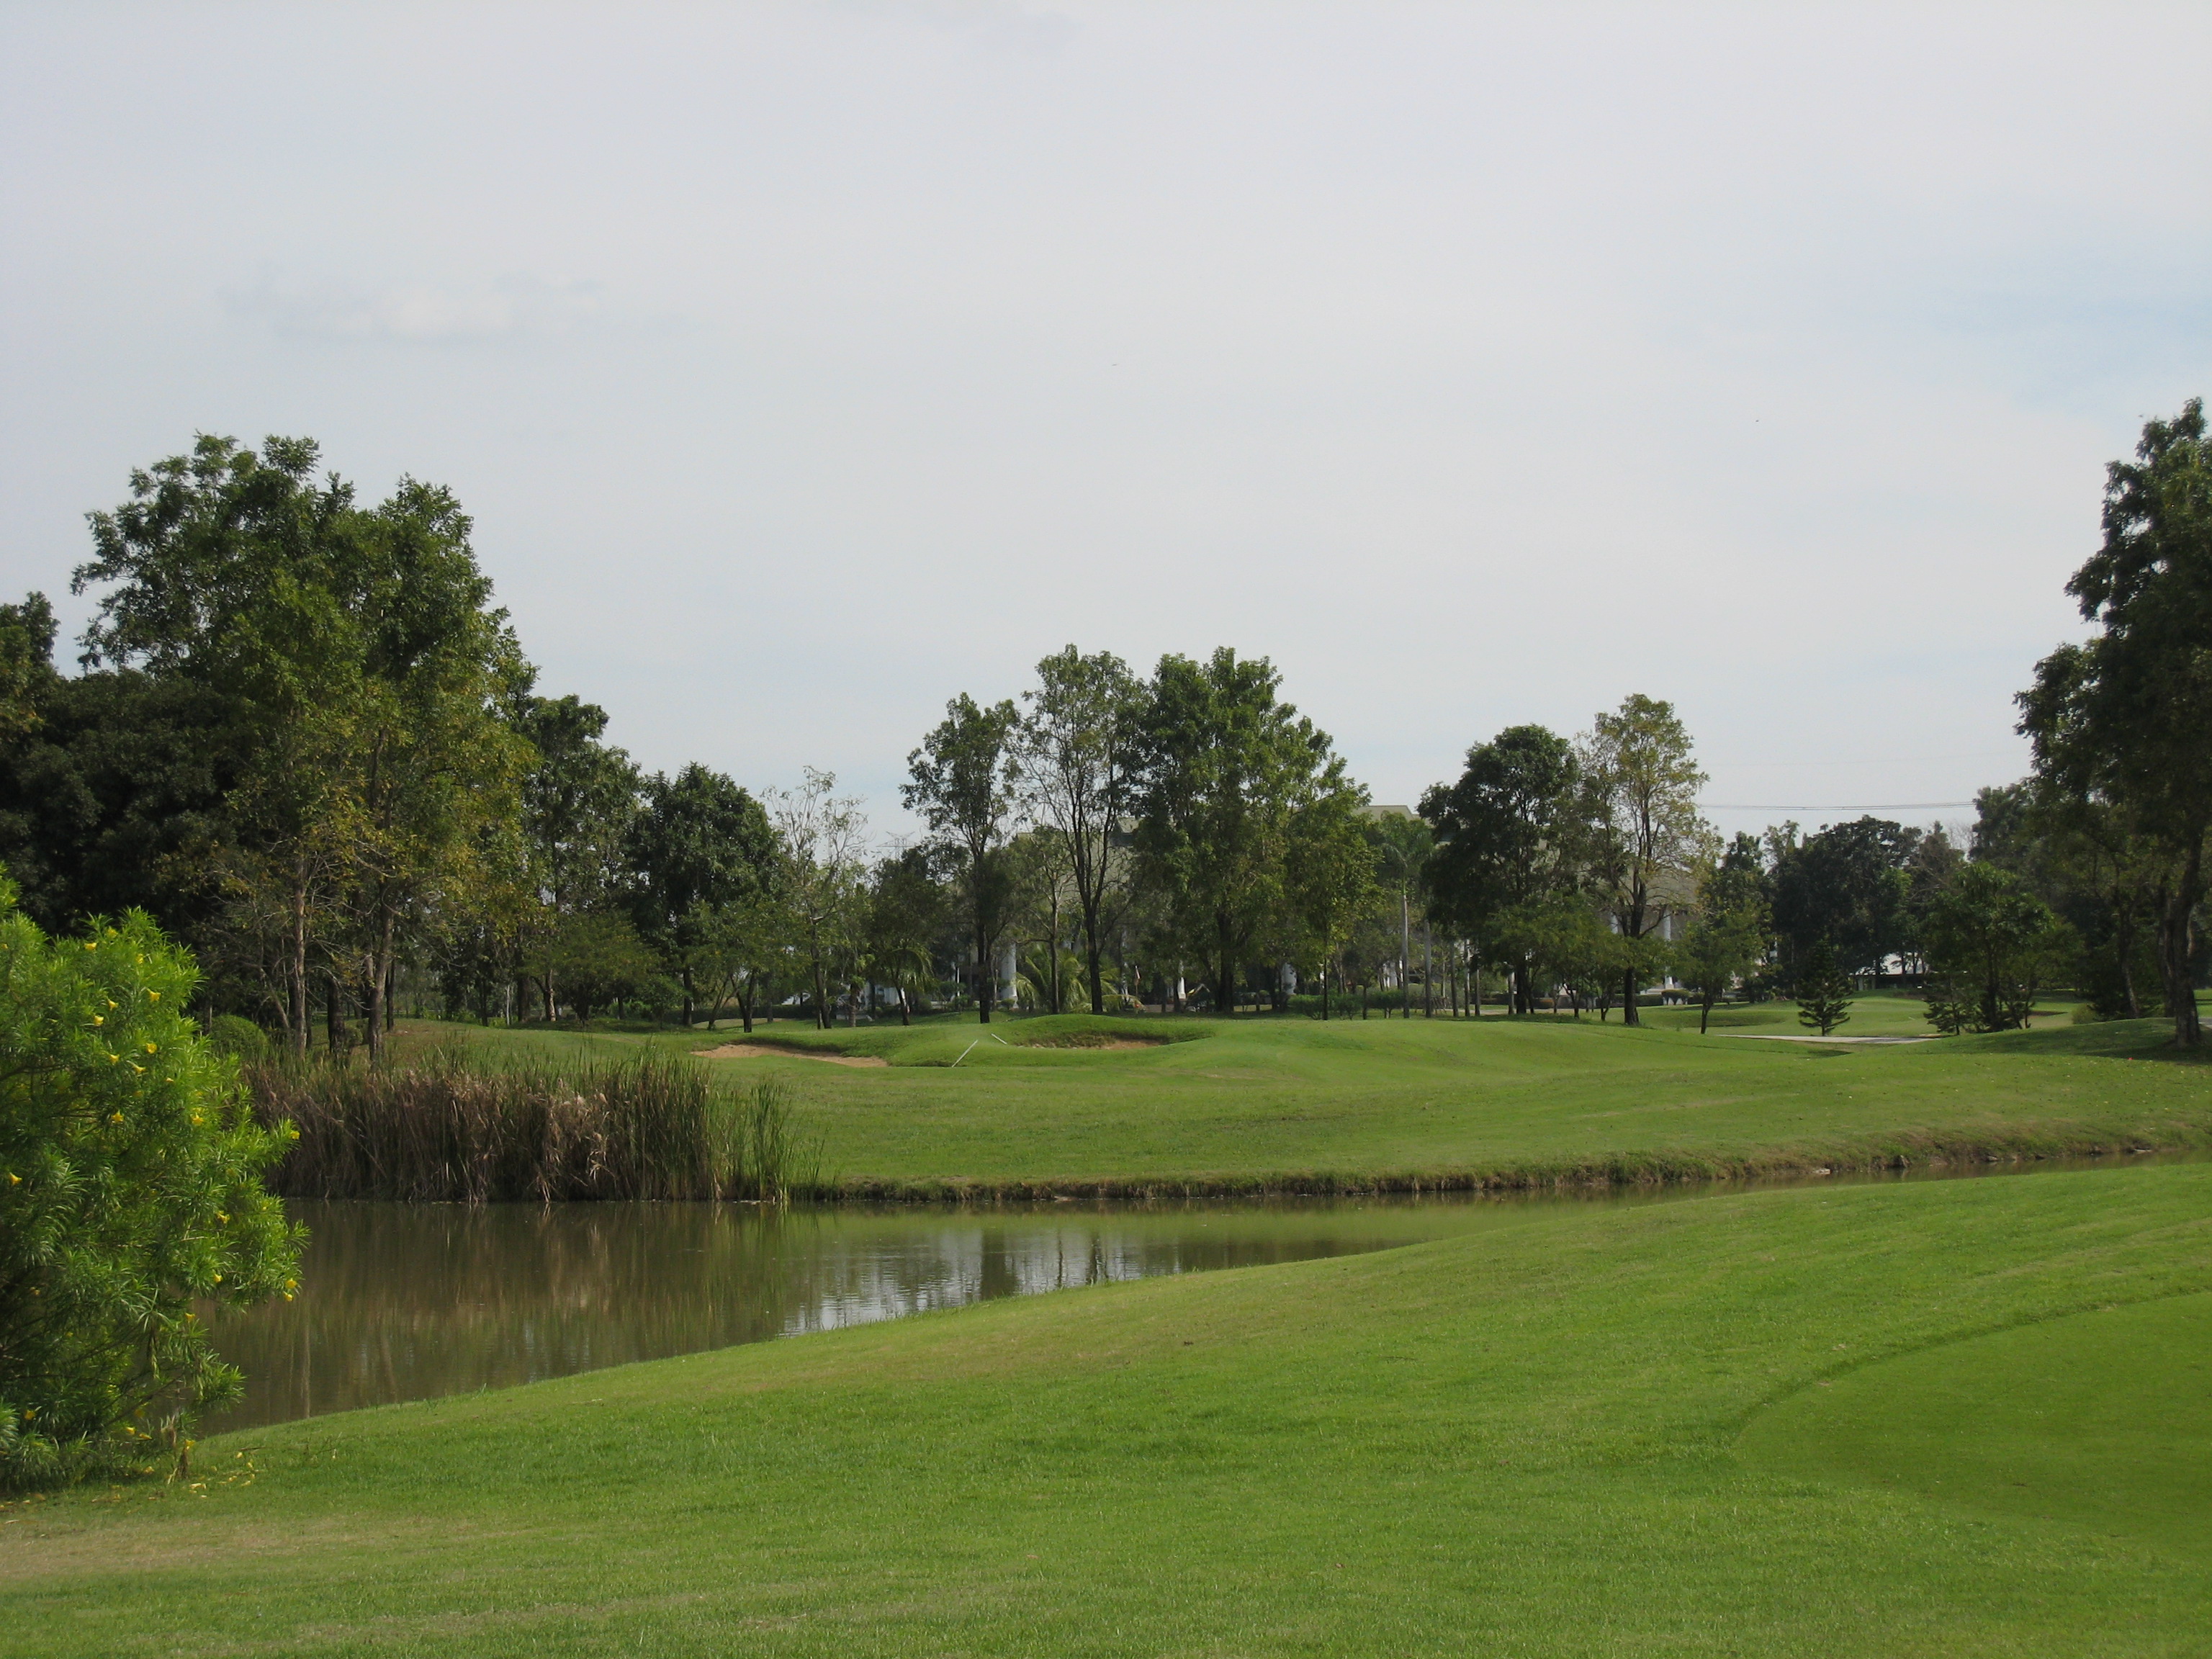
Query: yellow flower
[
  {"x": 92, "y": 944},
  {"x": 15, "y": 1180},
  {"x": 100, "y": 1019},
  {"x": 115, "y": 1117},
  {"x": 111, "y": 932},
  {"x": 198, "y": 1120},
  {"x": 288, "y": 1295},
  {"x": 150, "y": 1047},
  {"x": 220, "y": 1215},
  {"x": 141, "y": 1070},
  {"x": 111, "y": 1059},
  {"x": 115, "y": 1004},
  {"x": 218, "y": 1278},
  {"x": 153, "y": 996}
]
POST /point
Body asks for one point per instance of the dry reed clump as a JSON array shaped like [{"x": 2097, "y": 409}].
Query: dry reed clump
[{"x": 442, "y": 1129}]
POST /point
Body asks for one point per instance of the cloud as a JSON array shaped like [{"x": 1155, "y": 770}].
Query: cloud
[{"x": 423, "y": 313}]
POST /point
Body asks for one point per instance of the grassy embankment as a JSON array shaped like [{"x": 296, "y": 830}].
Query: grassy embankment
[
  {"x": 1935, "y": 1417},
  {"x": 1298, "y": 1105}
]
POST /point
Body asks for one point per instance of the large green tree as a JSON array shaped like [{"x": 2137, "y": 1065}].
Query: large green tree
[
  {"x": 1647, "y": 842},
  {"x": 2122, "y": 718},
  {"x": 822, "y": 885},
  {"x": 1848, "y": 884},
  {"x": 962, "y": 782},
  {"x": 1075, "y": 747},
  {"x": 1988, "y": 943},
  {"x": 118, "y": 796},
  {"x": 580, "y": 803},
  {"x": 2084, "y": 857},
  {"x": 434, "y": 764},
  {"x": 374, "y": 680},
  {"x": 1729, "y": 934},
  {"x": 1227, "y": 769},
  {"x": 1508, "y": 846},
  {"x": 907, "y": 916},
  {"x": 702, "y": 848},
  {"x": 1330, "y": 868}
]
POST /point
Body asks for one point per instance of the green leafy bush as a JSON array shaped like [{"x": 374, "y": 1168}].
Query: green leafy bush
[
  {"x": 235, "y": 1037},
  {"x": 130, "y": 1188}
]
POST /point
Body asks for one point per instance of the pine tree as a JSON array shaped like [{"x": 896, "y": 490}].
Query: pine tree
[{"x": 1824, "y": 990}]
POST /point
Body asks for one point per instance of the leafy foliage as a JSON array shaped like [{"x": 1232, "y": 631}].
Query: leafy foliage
[
  {"x": 1509, "y": 837},
  {"x": 131, "y": 1186},
  {"x": 1990, "y": 943},
  {"x": 1647, "y": 842},
  {"x": 1230, "y": 774},
  {"x": 962, "y": 780},
  {"x": 2120, "y": 720},
  {"x": 1729, "y": 934}
]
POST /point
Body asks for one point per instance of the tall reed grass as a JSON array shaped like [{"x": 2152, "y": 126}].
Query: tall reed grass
[{"x": 444, "y": 1128}]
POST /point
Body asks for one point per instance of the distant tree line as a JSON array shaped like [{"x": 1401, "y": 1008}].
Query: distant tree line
[{"x": 305, "y": 740}]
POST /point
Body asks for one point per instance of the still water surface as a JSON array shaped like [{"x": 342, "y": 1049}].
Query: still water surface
[{"x": 405, "y": 1302}]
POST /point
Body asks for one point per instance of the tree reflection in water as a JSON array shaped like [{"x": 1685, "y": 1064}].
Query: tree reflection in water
[{"x": 405, "y": 1302}]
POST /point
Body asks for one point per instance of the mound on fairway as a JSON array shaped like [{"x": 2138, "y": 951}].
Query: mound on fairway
[
  {"x": 2102, "y": 1419},
  {"x": 1527, "y": 1440}
]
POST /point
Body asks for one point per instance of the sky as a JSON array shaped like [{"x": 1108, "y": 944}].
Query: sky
[{"x": 805, "y": 365}]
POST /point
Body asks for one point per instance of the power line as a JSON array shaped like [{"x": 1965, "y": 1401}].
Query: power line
[{"x": 1801, "y": 806}]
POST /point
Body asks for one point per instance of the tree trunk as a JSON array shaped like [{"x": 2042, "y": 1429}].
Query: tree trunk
[
  {"x": 905, "y": 1013},
  {"x": 1053, "y": 944},
  {"x": 333, "y": 1014},
  {"x": 1225, "y": 1002},
  {"x": 1628, "y": 997},
  {"x": 2176, "y": 938},
  {"x": 746, "y": 1005},
  {"x": 2124, "y": 937},
  {"x": 298, "y": 990}
]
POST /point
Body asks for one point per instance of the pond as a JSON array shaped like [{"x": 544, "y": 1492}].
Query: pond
[{"x": 405, "y": 1302}]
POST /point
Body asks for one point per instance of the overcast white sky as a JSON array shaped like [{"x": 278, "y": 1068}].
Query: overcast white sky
[{"x": 806, "y": 364}]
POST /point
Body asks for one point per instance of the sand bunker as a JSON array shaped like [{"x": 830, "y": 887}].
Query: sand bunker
[
  {"x": 1089, "y": 1039},
  {"x": 757, "y": 1050}
]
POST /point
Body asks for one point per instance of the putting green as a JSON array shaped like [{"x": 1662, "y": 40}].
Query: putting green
[{"x": 2100, "y": 1419}]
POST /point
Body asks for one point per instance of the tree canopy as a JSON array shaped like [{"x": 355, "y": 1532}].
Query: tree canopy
[{"x": 2121, "y": 718}]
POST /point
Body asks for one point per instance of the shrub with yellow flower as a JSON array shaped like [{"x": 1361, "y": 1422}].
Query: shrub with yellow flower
[{"x": 130, "y": 1194}]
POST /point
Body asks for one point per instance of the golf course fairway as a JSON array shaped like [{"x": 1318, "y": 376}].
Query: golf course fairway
[
  {"x": 1227, "y": 1107},
  {"x": 1918, "y": 1417}
]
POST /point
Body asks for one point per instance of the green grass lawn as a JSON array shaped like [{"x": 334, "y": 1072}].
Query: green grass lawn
[
  {"x": 1916, "y": 1418},
  {"x": 1299, "y": 1103}
]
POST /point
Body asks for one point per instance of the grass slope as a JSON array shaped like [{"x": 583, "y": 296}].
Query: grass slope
[
  {"x": 1568, "y": 1434},
  {"x": 1297, "y": 1104}
]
